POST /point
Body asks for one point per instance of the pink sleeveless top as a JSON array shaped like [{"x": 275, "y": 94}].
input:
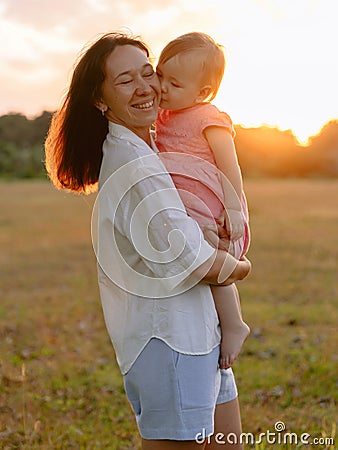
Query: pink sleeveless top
[{"x": 188, "y": 157}]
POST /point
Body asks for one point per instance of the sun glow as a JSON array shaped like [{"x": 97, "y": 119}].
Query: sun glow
[
  {"x": 281, "y": 55},
  {"x": 281, "y": 64}
]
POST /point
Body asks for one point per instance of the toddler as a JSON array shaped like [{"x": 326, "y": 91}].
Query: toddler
[{"x": 190, "y": 70}]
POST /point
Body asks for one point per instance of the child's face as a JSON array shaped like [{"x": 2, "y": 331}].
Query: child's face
[{"x": 180, "y": 79}]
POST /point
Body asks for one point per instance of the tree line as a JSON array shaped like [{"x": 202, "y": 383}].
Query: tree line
[{"x": 262, "y": 151}]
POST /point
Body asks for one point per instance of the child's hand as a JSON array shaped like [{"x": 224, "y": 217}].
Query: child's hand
[
  {"x": 221, "y": 219},
  {"x": 234, "y": 223},
  {"x": 217, "y": 236}
]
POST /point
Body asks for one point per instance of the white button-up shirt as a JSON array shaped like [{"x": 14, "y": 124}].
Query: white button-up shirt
[{"x": 147, "y": 247}]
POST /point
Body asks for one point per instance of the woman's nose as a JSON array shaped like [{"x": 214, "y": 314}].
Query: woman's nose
[{"x": 143, "y": 85}]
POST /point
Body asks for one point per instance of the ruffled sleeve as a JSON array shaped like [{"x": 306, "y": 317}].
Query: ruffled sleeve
[{"x": 212, "y": 116}]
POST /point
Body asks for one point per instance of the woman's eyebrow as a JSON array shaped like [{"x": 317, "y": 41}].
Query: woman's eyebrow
[{"x": 130, "y": 72}]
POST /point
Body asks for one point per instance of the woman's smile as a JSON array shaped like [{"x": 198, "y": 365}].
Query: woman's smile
[{"x": 146, "y": 105}]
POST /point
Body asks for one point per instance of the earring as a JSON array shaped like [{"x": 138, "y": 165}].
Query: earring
[{"x": 103, "y": 112}]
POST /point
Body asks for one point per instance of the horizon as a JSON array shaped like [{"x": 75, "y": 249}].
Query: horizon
[
  {"x": 281, "y": 67},
  {"x": 303, "y": 143}
]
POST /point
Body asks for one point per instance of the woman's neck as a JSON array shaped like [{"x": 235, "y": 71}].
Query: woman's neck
[{"x": 143, "y": 133}]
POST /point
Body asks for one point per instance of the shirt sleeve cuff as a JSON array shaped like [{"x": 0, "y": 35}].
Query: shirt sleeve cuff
[{"x": 183, "y": 280}]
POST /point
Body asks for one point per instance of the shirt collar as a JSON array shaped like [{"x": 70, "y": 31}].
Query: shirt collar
[{"x": 121, "y": 132}]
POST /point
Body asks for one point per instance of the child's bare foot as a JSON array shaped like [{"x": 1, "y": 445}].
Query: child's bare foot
[{"x": 232, "y": 341}]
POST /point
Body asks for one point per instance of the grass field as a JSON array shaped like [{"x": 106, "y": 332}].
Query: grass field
[{"x": 60, "y": 386}]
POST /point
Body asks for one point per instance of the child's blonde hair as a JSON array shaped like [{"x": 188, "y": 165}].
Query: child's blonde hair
[{"x": 212, "y": 57}]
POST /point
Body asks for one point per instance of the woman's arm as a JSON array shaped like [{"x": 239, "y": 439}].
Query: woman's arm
[{"x": 223, "y": 269}]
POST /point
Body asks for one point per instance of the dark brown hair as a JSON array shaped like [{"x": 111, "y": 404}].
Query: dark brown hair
[
  {"x": 213, "y": 59},
  {"x": 73, "y": 147}
]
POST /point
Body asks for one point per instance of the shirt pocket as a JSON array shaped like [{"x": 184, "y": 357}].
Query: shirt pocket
[{"x": 197, "y": 377}]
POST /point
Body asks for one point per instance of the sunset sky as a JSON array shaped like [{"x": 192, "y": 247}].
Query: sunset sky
[{"x": 282, "y": 65}]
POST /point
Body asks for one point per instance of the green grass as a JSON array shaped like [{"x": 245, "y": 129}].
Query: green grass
[{"x": 60, "y": 387}]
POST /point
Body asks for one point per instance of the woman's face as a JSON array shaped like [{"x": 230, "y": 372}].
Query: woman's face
[{"x": 131, "y": 91}]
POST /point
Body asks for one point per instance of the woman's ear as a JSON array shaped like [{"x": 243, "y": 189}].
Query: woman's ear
[
  {"x": 204, "y": 93},
  {"x": 101, "y": 106}
]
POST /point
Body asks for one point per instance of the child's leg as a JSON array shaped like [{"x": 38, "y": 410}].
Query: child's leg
[{"x": 234, "y": 329}]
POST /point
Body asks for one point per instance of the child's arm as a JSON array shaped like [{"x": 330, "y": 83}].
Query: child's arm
[{"x": 223, "y": 147}]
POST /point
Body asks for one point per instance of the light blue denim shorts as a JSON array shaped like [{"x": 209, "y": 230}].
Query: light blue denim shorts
[{"x": 173, "y": 395}]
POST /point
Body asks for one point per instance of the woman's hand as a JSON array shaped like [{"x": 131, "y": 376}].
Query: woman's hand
[
  {"x": 222, "y": 269},
  {"x": 217, "y": 236},
  {"x": 241, "y": 271}
]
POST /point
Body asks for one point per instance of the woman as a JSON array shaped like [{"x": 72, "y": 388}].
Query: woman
[{"x": 154, "y": 265}]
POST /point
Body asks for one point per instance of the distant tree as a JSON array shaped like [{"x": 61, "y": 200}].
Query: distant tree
[
  {"x": 269, "y": 151},
  {"x": 39, "y": 127},
  {"x": 15, "y": 128},
  {"x": 263, "y": 151},
  {"x": 323, "y": 150},
  {"x": 266, "y": 151},
  {"x": 21, "y": 145}
]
